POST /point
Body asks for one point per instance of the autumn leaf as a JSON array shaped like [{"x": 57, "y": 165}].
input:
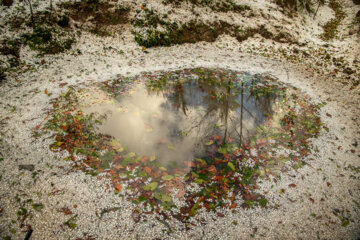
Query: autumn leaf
[
  {"x": 147, "y": 170},
  {"x": 212, "y": 168},
  {"x": 118, "y": 187},
  {"x": 217, "y": 137},
  {"x": 46, "y": 91},
  {"x": 118, "y": 166},
  {"x": 233, "y": 205},
  {"x": 292, "y": 185}
]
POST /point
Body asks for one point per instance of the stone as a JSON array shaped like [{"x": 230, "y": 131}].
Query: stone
[{"x": 29, "y": 167}]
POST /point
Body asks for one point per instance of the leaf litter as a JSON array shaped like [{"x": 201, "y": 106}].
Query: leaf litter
[{"x": 223, "y": 174}]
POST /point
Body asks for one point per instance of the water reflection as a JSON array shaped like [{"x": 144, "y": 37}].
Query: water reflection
[{"x": 174, "y": 123}]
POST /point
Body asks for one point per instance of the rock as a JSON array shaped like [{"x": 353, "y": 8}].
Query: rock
[
  {"x": 348, "y": 71},
  {"x": 7, "y": 3},
  {"x": 356, "y": 2},
  {"x": 29, "y": 167},
  {"x": 352, "y": 31}
]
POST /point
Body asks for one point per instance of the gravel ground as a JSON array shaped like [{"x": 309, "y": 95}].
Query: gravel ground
[{"x": 327, "y": 190}]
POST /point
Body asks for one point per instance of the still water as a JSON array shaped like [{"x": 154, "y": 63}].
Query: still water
[{"x": 174, "y": 123}]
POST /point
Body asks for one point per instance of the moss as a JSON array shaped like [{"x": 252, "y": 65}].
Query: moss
[
  {"x": 330, "y": 28},
  {"x": 10, "y": 47},
  {"x": 215, "y": 5},
  {"x": 295, "y": 5},
  {"x": 48, "y": 40}
]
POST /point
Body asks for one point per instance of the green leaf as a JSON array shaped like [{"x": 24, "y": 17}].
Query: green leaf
[
  {"x": 151, "y": 186},
  {"x": 167, "y": 177},
  {"x": 195, "y": 174},
  {"x": 194, "y": 209},
  {"x": 21, "y": 211},
  {"x": 262, "y": 202},
  {"x": 38, "y": 206},
  {"x": 162, "y": 168},
  {"x": 171, "y": 146},
  {"x": 201, "y": 160},
  {"x": 231, "y": 165},
  {"x": 71, "y": 222},
  {"x": 249, "y": 203},
  {"x": 130, "y": 154},
  {"x": 152, "y": 158},
  {"x": 199, "y": 181},
  {"x": 209, "y": 143}
]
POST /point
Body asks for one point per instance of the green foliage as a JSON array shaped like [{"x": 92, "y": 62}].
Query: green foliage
[
  {"x": 330, "y": 28},
  {"x": 215, "y": 5},
  {"x": 295, "y": 5},
  {"x": 48, "y": 40}
]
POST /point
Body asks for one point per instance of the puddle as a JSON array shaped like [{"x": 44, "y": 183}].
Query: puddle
[
  {"x": 176, "y": 143},
  {"x": 174, "y": 122}
]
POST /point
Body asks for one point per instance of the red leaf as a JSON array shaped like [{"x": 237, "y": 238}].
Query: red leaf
[
  {"x": 292, "y": 185},
  {"x": 212, "y": 168},
  {"x": 147, "y": 170},
  {"x": 118, "y": 187},
  {"x": 233, "y": 205},
  {"x": 312, "y": 200},
  {"x": 217, "y": 137},
  {"x": 220, "y": 214}
]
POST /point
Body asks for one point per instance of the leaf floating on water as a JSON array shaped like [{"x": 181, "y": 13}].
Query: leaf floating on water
[
  {"x": 131, "y": 154},
  {"x": 209, "y": 143},
  {"x": 217, "y": 137},
  {"x": 116, "y": 145},
  {"x": 162, "y": 168},
  {"x": 172, "y": 147},
  {"x": 148, "y": 128},
  {"x": 151, "y": 186},
  {"x": 201, "y": 160}
]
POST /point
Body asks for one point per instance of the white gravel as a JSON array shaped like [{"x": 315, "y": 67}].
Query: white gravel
[{"x": 333, "y": 187}]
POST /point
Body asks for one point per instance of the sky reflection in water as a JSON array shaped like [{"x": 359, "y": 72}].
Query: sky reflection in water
[{"x": 174, "y": 124}]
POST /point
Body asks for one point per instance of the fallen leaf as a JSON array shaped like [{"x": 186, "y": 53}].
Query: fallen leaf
[
  {"x": 118, "y": 187},
  {"x": 209, "y": 143},
  {"x": 147, "y": 170},
  {"x": 151, "y": 186},
  {"x": 212, "y": 169},
  {"x": 292, "y": 185}
]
